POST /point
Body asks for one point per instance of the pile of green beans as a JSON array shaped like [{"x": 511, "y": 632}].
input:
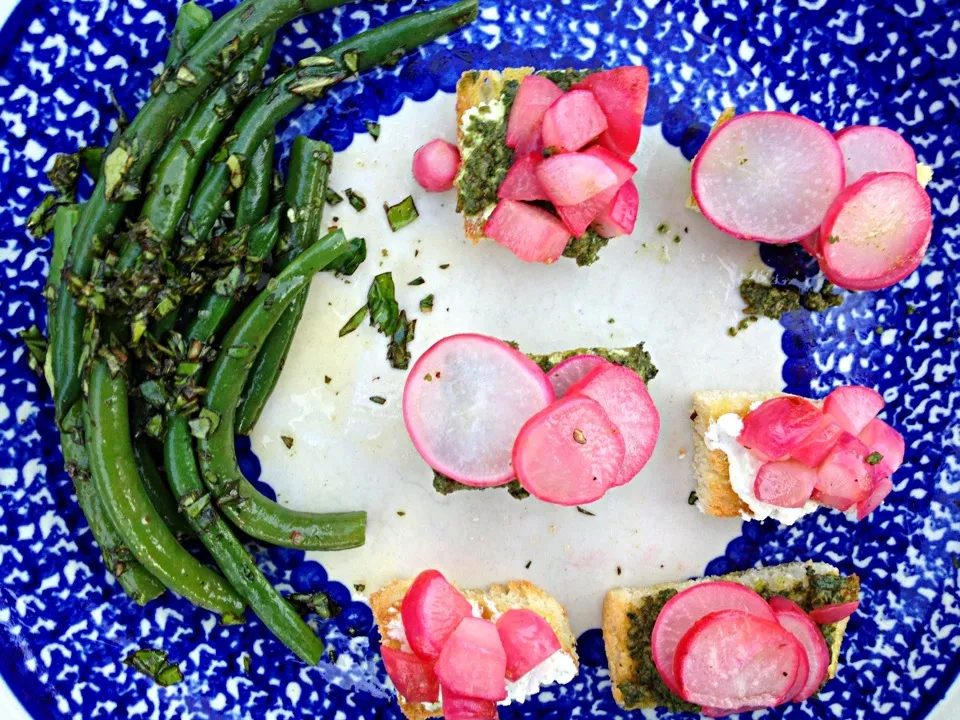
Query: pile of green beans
[{"x": 160, "y": 344}]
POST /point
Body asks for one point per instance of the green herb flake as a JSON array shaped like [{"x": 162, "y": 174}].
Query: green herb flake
[
  {"x": 401, "y": 214},
  {"x": 874, "y": 458},
  {"x": 529, "y": 563},
  {"x": 582, "y": 511},
  {"x": 401, "y": 513},
  {"x": 397, "y": 353},
  {"x": 288, "y": 441},
  {"x": 742, "y": 325},
  {"x": 416, "y": 281},
  {"x": 356, "y": 200},
  {"x": 833, "y": 239},
  {"x": 692, "y": 498},
  {"x": 247, "y": 663},
  {"x": 676, "y": 239},
  {"x": 878, "y": 330},
  {"x": 154, "y": 664},
  {"x": 354, "y": 322},
  {"x": 350, "y": 59},
  {"x": 382, "y": 304},
  {"x": 911, "y": 308},
  {"x": 426, "y": 305},
  {"x": 445, "y": 266},
  {"x": 36, "y": 348},
  {"x": 378, "y": 399},
  {"x": 611, "y": 321},
  {"x": 586, "y": 248},
  {"x": 373, "y": 128},
  {"x": 316, "y": 603},
  {"x": 327, "y": 379},
  {"x": 333, "y": 198},
  {"x": 316, "y": 61},
  {"x": 663, "y": 228}
]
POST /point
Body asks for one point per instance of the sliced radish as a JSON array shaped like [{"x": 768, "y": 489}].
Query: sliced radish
[
  {"x": 459, "y": 707},
  {"x": 573, "y": 178},
  {"x": 816, "y": 652},
  {"x": 521, "y": 182},
  {"x": 880, "y": 491},
  {"x": 811, "y": 243},
  {"x": 527, "y": 639},
  {"x": 845, "y": 478},
  {"x": 464, "y": 402},
  {"x": 785, "y": 483},
  {"x": 570, "y": 453},
  {"x": 622, "y": 93},
  {"x": 624, "y": 397},
  {"x": 684, "y": 609},
  {"x": 830, "y": 614},
  {"x": 529, "y": 232},
  {"x": 620, "y": 216},
  {"x": 731, "y": 659},
  {"x": 577, "y": 218},
  {"x": 533, "y": 98},
  {"x": 868, "y": 148},
  {"x": 883, "y": 439},
  {"x": 803, "y": 672},
  {"x": 413, "y": 677},
  {"x": 431, "y": 610},
  {"x": 812, "y": 451},
  {"x": 435, "y": 165},
  {"x": 720, "y": 713},
  {"x": 876, "y": 232},
  {"x": 473, "y": 662},
  {"x": 572, "y": 121},
  {"x": 780, "y": 604},
  {"x": 571, "y": 371},
  {"x": 778, "y": 426},
  {"x": 853, "y": 407},
  {"x": 768, "y": 176}
]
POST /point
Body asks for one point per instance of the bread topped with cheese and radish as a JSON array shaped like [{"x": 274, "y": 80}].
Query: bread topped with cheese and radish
[
  {"x": 720, "y": 645},
  {"x": 463, "y": 653},
  {"x": 770, "y": 455}
]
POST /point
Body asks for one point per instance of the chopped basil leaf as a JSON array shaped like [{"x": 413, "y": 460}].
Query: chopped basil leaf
[
  {"x": 397, "y": 352},
  {"x": 874, "y": 458},
  {"x": 354, "y": 322},
  {"x": 416, "y": 281},
  {"x": 154, "y": 664},
  {"x": 318, "y": 603},
  {"x": 373, "y": 128},
  {"x": 382, "y": 303},
  {"x": 333, "y": 198},
  {"x": 355, "y": 199},
  {"x": 426, "y": 305},
  {"x": 36, "y": 348},
  {"x": 401, "y": 214},
  {"x": 351, "y": 258},
  {"x": 585, "y": 512},
  {"x": 287, "y": 440},
  {"x": 379, "y": 400},
  {"x": 692, "y": 498}
]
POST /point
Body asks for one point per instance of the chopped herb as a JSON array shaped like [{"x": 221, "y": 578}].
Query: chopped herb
[
  {"x": 352, "y": 257},
  {"x": 317, "y": 603},
  {"x": 378, "y": 400},
  {"x": 585, "y": 512},
  {"x": 401, "y": 513},
  {"x": 356, "y": 200},
  {"x": 692, "y": 498},
  {"x": 529, "y": 563},
  {"x": 401, "y": 214},
  {"x": 911, "y": 308},
  {"x": 428, "y": 377},
  {"x": 663, "y": 228},
  {"x": 676, "y": 239},
  {"x": 384, "y": 253},
  {"x": 247, "y": 663},
  {"x": 416, "y": 281},
  {"x": 586, "y": 248},
  {"x": 360, "y": 587},
  {"x": 382, "y": 304},
  {"x": 426, "y": 305},
  {"x": 874, "y": 458},
  {"x": 373, "y": 128},
  {"x": 742, "y": 325},
  {"x": 332, "y": 654},
  {"x": 773, "y": 301},
  {"x": 397, "y": 352},
  {"x": 327, "y": 379},
  {"x": 350, "y": 59},
  {"x": 833, "y": 239},
  {"x": 445, "y": 266},
  {"x": 333, "y": 198},
  {"x": 878, "y": 330},
  {"x": 36, "y": 348},
  {"x": 611, "y": 321},
  {"x": 287, "y": 440},
  {"x": 354, "y": 322},
  {"x": 579, "y": 437},
  {"x": 154, "y": 664},
  {"x": 619, "y": 570}
]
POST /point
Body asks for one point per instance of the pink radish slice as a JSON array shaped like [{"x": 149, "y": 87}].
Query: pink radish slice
[
  {"x": 571, "y": 371},
  {"x": 435, "y": 165},
  {"x": 883, "y": 439},
  {"x": 684, "y": 609},
  {"x": 529, "y": 232},
  {"x": 570, "y": 453},
  {"x": 720, "y": 713},
  {"x": 458, "y": 707},
  {"x": 812, "y": 451},
  {"x": 521, "y": 182},
  {"x": 785, "y": 483},
  {"x": 473, "y": 662},
  {"x": 622, "y": 93},
  {"x": 533, "y": 98},
  {"x": 876, "y": 232},
  {"x": 803, "y": 673},
  {"x": 853, "y": 407},
  {"x": 811, "y": 243},
  {"x": 620, "y": 216},
  {"x": 572, "y": 121},
  {"x": 816, "y": 652},
  {"x": 530, "y": 143},
  {"x": 768, "y": 176},
  {"x": 573, "y": 178},
  {"x": 577, "y": 218},
  {"x": 431, "y": 610},
  {"x": 779, "y": 425},
  {"x": 624, "y": 397},
  {"x": 868, "y": 148},
  {"x": 414, "y": 678},
  {"x": 830, "y": 614},
  {"x": 875, "y": 499},
  {"x": 731, "y": 659},
  {"x": 845, "y": 478},
  {"x": 780, "y": 604},
  {"x": 527, "y": 639},
  {"x": 464, "y": 402}
]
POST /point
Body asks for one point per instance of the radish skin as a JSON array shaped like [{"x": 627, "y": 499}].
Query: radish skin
[
  {"x": 435, "y": 165},
  {"x": 869, "y": 148}
]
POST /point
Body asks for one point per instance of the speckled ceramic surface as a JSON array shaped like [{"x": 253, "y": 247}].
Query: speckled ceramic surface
[{"x": 65, "y": 626}]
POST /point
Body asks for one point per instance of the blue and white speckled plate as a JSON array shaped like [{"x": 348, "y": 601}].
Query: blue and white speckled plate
[{"x": 66, "y": 626}]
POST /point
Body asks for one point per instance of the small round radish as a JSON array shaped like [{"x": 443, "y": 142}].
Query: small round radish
[
  {"x": 459, "y": 707},
  {"x": 620, "y": 216},
  {"x": 431, "y": 610},
  {"x": 464, "y": 402},
  {"x": 571, "y": 371},
  {"x": 768, "y": 176},
  {"x": 577, "y": 218},
  {"x": 785, "y": 483},
  {"x": 527, "y": 639},
  {"x": 876, "y": 232},
  {"x": 573, "y": 178},
  {"x": 845, "y": 478},
  {"x": 533, "y": 98},
  {"x": 816, "y": 652},
  {"x": 570, "y": 453},
  {"x": 868, "y": 148},
  {"x": 572, "y": 121},
  {"x": 435, "y": 165},
  {"x": 812, "y": 451},
  {"x": 875, "y": 499},
  {"x": 413, "y": 677},
  {"x": 853, "y": 407},
  {"x": 779, "y": 425},
  {"x": 473, "y": 662},
  {"x": 830, "y": 614},
  {"x": 622, "y": 93},
  {"x": 684, "y": 609},
  {"x": 883, "y": 439},
  {"x": 529, "y": 232},
  {"x": 521, "y": 182}
]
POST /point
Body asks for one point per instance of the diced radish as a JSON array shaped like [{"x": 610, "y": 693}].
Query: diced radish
[
  {"x": 816, "y": 652},
  {"x": 778, "y": 426},
  {"x": 473, "y": 662},
  {"x": 624, "y": 397},
  {"x": 732, "y": 659},
  {"x": 768, "y": 176},
  {"x": 622, "y": 93},
  {"x": 780, "y": 604},
  {"x": 620, "y": 216},
  {"x": 876, "y": 232},
  {"x": 435, "y": 165},
  {"x": 569, "y": 453},
  {"x": 883, "y": 439},
  {"x": 413, "y": 677},
  {"x": 845, "y": 477},
  {"x": 527, "y": 639},
  {"x": 875, "y": 499},
  {"x": 572, "y": 121},
  {"x": 684, "y": 609},
  {"x": 464, "y": 402},
  {"x": 812, "y": 451},
  {"x": 529, "y": 232},
  {"x": 573, "y": 178},
  {"x": 571, "y": 371},
  {"x": 830, "y": 614},
  {"x": 533, "y": 98},
  {"x": 459, "y": 707},
  {"x": 868, "y": 148},
  {"x": 785, "y": 483},
  {"x": 622, "y": 168},
  {"x": 521, "y": 182},
  {"x": 431, "y": 610},
  {"x": 853, "y": 407},
  {"x": 577, "y": 218}
]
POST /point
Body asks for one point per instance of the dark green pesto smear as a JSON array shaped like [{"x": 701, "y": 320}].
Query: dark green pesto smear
[
  {"x": 648, "y": 688},
  {"x": 772, "y": 301},
  {"x": 585, "y": 249}
]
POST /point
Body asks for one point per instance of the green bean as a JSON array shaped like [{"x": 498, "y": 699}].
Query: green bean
[
  {"x": 253, "y": 200},
  {"x": 192, "y": 22},
  {"x": 156, "y": 488},
  {"x": 118, "y": 483},
  {"x": 246, "y": 508},
  {"x": 235, "y": 562},
  {"x": 63, "y": 224}
]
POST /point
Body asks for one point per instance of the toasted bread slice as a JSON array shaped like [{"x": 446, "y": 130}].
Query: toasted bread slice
[
  {"x": 492, "y": 602},
  {"x": 772, "y": 580}
]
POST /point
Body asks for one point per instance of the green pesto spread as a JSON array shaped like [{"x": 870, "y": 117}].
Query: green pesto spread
[
  {"x": 585, "y": 249},
  {"x": 773, "y": 301}
]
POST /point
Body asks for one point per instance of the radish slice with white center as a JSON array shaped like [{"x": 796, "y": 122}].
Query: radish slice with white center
[
  {"x": 464, "y": 402},
  {"x": 844, "y": 478},
  {"x": 768, "y": 176},
  {"x": 572, "y": 121},
  {"x": 577, "y": 218},
  {"x": 853, "y": 407},
  {"x": 435, "y": 165},
  {"x": 683, "y": 610},
  {"x": 431, "y": 610},
  {"x": 622, "y": 93},
  {"x": 786, "y": 483},
  {"x": 570, "y": 453},
  {"x": 571, "y": 371},
  {"x": 521, "y": 182},
  {"x": 875, "y": 499},
  {"x": 816, "y": 652},
  {"x": 883, "y": 439},
  {"x": 814, "y": 450},
  {"x": 573, "y": 178},
  {"x": 529, "y": 232},
  {"x": 533, "y": 98},
  {"x": 620, "y": 216},
  {"x": 778, "y": 425},
  {"x": 868, "y": 148},
  {"x": 473, "y": 662},
  {"x": 830, "y": 614},
  {"x": 527, "y": 639},
  {"x": 876, "y": 232}
]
